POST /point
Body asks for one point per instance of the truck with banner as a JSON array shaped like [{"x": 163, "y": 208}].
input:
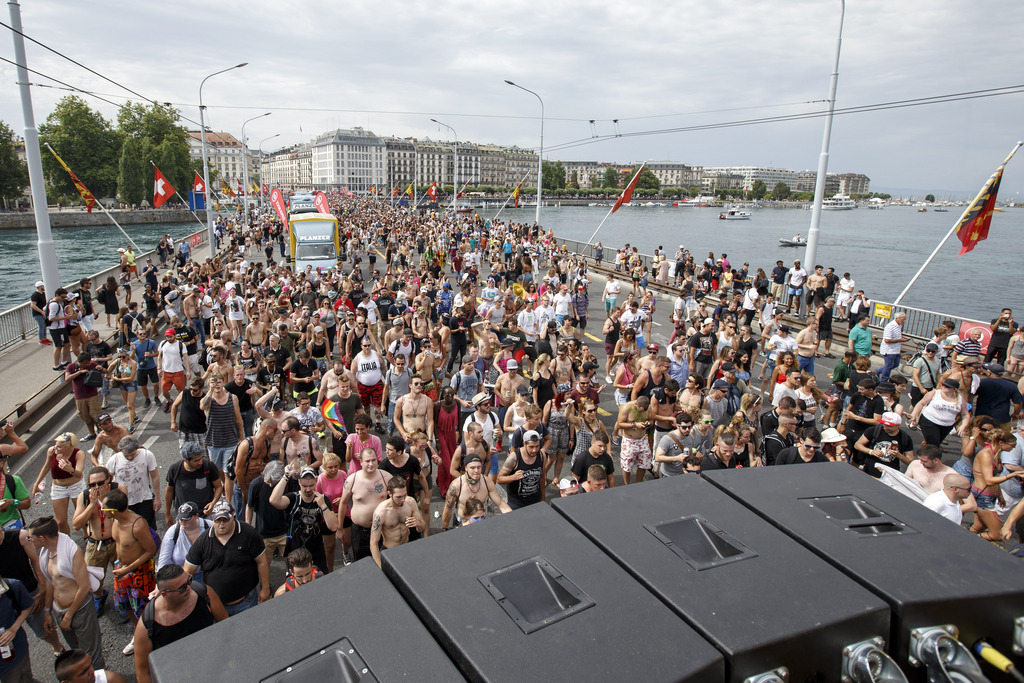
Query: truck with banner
[{"x": 313, "y": 236}]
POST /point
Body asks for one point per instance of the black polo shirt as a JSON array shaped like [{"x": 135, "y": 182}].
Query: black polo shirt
[{"x": 229, "y": 568}]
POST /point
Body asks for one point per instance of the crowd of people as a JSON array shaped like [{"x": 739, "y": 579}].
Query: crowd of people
[{"x": 322, "y": 408}]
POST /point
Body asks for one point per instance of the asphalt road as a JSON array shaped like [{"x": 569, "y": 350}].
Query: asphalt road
[{"x": 154, "y": 433}]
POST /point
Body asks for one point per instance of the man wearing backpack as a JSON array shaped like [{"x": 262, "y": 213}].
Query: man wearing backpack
[
  {"x": 57, "y": 323},
  {"x": 136, "y": 546},
  {"x": 467, "y": 382},
  {"x": 173, "y": 366},
  {"x": 181, "y": 608}
]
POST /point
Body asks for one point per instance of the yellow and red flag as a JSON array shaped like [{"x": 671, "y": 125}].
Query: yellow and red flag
[
  {"x": 516, "y": 192},
  {"x": 82, "y": 189},
  {"x": 408, "y": 190},
  {"x": 974, "y": 223},
  {"x": 226, "y": 189}
]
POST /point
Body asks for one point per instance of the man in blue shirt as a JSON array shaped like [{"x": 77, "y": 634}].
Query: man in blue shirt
[
  {"x": 145, "y": 354},
  {"x": 15, "y": 607}
]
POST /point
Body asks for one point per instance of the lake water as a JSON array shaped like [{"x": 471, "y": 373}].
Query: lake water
[
  {"x": 80, "y": 252},
  {"x": 881, "y": 249}
]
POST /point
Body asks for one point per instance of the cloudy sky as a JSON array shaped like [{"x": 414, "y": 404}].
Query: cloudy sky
[{"x": 655, "y": 66}]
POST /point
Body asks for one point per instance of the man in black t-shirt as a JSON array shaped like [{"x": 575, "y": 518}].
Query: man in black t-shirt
[
  {"x": 703, "y": 349},
  {"x": 234, "y": 561},
  {"x": 244, "y": 391},
  {"x": 596, "y": 455},
  {"x": 459, "y": 326},
  {"x": 885, "y": 444},
  {"x": 37, "y": 303},
  {"x": 865, "y": 410},
  {"x": 310, "y": 517},
  {"x": 807, "y": 449},
  {"x": 271, "y": 523},
  {"x": 194, "y": 479}
]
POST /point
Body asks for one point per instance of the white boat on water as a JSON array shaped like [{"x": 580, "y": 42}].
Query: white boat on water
[
  {"x": 838, "y": 202},
  {"x": 734, "y": 215},
  {"x": 795, "y": 241}
]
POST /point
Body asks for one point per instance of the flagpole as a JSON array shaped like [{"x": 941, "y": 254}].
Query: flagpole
[
  {"x": 949, "y": 234},
  {"x": 507, "y": 200},
  {"x": 100, "y": 204},
  {"x": 183, "y": 200},
  {"x": 616, "y": 205}
]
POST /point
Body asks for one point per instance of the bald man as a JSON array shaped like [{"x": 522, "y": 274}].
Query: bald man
[{"x": 953, "y": 500}]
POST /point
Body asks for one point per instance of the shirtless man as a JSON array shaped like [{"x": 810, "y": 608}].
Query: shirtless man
[
  {"x": 472, "y": 484},
  {"x": 271, "y": 407},
  {"x": 99, "y": 547},
  {"x": 68, "y": 589},
  {"x": 330, "y": 381},
  {"x": 219, "y": 366},
  {"x": 928, "y": 470},
  {"x": 256, "y": 333},
  {"x": 364, "y": 491},
  {"x": 298, "y": 448},
  {"x": 109, "y": 434},
  {"x": 632, "y": 423},
  {"x": 135, "y": 569},
  {"x": 393, "y": 519},
  {"x": 473, "y": 445},
  {"x": 414, "y": 412},
  {"x": 505, "y": 387}
]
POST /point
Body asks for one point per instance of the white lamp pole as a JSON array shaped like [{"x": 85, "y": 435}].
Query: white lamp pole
[
  {"x": 810, "y": 254},
  {"x": 206, "y": 164},
  {"x": 540, "y": 152},
  {"x": 455, "y": 166},
  {"x": 262, "y": 155},
  {"x": 245, "y": 163}
]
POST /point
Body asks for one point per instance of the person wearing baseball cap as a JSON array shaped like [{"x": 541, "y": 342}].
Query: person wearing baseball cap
[
  {"x": 568, "y": 487},
  {"x": 187, "y": 527},
  {"x": 311, "y": 516},
  {"x": 523, "y": 472},
  {"x": 998, "y": 397},
  {"x": 926, "y": 371},
  {"x": 241, "y": 580},
  {"x": 37, "y": 303},
  {"x": 885, "y": 444},
  {"x": 470, "y": 484}
]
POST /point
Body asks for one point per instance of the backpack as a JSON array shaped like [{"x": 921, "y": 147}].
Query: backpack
[
  {"x": 149, "y": 611},
  {"x": 46, "y": 311},
  {"x": 229, "y": 468},
  {"x": 136, "y": 326}
]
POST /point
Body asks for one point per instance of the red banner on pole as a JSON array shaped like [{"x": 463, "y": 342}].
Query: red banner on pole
[
  {"x": 277, "y": 201},
  {"x": 194, "y": 239},
  {"x": 320, "y": 202}
]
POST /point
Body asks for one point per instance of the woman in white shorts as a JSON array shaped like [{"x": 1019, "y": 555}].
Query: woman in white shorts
[{"x": 64, "y": 463}]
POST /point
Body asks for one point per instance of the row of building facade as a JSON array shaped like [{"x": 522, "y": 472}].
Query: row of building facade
[{"x": 358, "y": 160}]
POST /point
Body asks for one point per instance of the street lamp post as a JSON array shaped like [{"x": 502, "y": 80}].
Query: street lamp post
[
  {"x": 262, "y": 155},
  {"x": 245, "y": 163},
  {"x": 206, "y": 163},
  {"x": 540, "y": 152},
  {"x": 455, "y": 166}
]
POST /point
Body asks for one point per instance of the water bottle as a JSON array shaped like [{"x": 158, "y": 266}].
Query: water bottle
[
  {"x": 38, "y": 498},
  {"x": 6, "y": 653}
]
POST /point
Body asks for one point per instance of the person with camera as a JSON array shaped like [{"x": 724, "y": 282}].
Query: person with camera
[
  {"x": 309, "y": 513},
  {"x": 86, "y": 377}
]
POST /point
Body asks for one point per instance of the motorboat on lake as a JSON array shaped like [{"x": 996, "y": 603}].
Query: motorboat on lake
[
  {"x": 795, "y": 241},
  {"x": 838, "y": 202},
  {"x": 734, "y": 215}
]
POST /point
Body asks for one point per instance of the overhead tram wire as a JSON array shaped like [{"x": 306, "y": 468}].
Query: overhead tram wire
[
  {"x": 882, "y": 106},
  {"x": 67, "y": 86}
]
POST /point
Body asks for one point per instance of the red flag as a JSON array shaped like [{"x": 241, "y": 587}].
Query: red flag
[
  {"x": 627, "y": 194},
  {"x": 198, "y": 185},
  {"x": 266, "y": 189},
  {"x": 432, "y": 192},
  {"x": 974, "y": 223},
  {"x": 320, "y": 201},
  {"x": 516, "y": 192},
  {"x": 277, "y": 201},
  {"x": 241, "y": 190},
  {"x": 82, "y": 190},
  {"x": 162, "y": 189}
]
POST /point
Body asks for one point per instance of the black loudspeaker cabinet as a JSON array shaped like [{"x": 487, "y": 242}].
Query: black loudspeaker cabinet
[
  {"x": 761, "y": 598},
  {"x": 929, "y": 570},
  {"x": 526, "y": 597},
  {"x": 349, "y": 626}
]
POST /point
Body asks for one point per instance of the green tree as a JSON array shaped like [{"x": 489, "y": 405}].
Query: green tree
[
  {"x": 131, "y": 179},
  {"x": 13, "y": 171},
  {"x": 758, "y": 190},
  {"x": 781, "y": 191},
  {"x": 86, "y": 142},
  {"x": 553, "y": 175},
  {"x": 611, "y": 177},
  {"x": 930, "y": 198},
  {"x": 158, "y": 137},
  {"x": 647, "y": 180}
]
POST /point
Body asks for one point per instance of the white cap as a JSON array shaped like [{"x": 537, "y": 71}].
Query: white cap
[{"x": 40, "y": 284}]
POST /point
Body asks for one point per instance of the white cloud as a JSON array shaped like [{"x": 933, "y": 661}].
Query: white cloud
[{"x": 314, "y": 62}]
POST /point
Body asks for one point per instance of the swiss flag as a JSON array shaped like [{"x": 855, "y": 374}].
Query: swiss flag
[
  {"x": 627, "y": 194},
  {"x": 266, "y": 189},
  {"x": 162, "y": 189},
  {"x": 198, "y": 185},
  {"x": 432, "y": 192},
  {"x": 241, "y": 190}
]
